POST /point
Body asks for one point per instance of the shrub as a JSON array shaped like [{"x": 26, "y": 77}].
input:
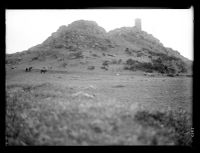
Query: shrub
[
  {"x": 114, "y": 61},
  {"x": 181, "y": 66},
  {"x": 60, "y": 59},
  {"x": 119, "y": 61},
  {"x": 105, "y": 68},
  {"x": 171, "y": 75},
  {"x": 91, "y": 67},
  {"x": 156, "y": 65},
  {"x": 161, "y": 67},
  {"x": 126, "y": 68},
  {"x": 174, "y": 125},
  {"x": 59, "y": 46},
  {"x": 76, "y": 55},
  {"x": 135, "y": 65},
  {"x": 105, "y": 63},
  {"x": 13, "y": 61},
  {"x": 130, "y": 62},
  {"x": 128, "y": 51},
  {"x": 111, "y": 55},
  {"x": 64, "y": 64},
  {"x": 34, "y": 58},
  {"x": 102, "y": 47},
  {"x": 146, "y": 66},
  {"x": 149, "y": 71},
  {"x": 139, "y": 54},
  {"x": 95, "y": 55}
]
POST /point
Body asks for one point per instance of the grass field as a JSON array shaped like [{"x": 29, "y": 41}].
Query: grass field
[{"x": 97, "y": 109}]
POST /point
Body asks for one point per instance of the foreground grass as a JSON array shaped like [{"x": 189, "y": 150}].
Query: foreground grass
[
  {"x": 175, "y": 126},
  {"x": 45, "y": 114}
]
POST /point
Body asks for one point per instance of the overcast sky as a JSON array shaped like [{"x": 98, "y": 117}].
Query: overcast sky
[{"x": 173, "y": 27}]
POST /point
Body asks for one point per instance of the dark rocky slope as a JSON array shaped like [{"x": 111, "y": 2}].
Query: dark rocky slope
[{"x": 82, "y": 39}]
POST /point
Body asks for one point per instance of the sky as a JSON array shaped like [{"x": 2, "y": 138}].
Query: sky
[{"x": 173, "y": 27}]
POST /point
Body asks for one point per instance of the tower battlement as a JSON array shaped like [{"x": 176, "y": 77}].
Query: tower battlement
[{"x": 138, "y": 24}]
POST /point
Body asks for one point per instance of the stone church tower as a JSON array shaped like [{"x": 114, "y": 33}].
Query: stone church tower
[{"x": 138, "y": 24}]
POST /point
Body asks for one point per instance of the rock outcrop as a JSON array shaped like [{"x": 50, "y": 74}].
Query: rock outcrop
[{"x": 82, "y": 35}]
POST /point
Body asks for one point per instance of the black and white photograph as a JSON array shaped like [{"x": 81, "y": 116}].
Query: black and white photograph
[{"x": 99, "y": 77}]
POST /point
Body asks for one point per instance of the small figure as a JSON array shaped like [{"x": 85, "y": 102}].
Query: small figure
[{"x": 43, "y": 70}]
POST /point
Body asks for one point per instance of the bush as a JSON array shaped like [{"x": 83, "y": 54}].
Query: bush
[
  {"x": 105, "y": 63},
  {"x": 34, "y": 58},
  {"x": 60, "y": 59},
  {"x": 171, "y": 75},
  {"x": 95, "y": 55},
  {"x": 130, "y": 62},
  {"x": 59, "y": 46},
  {"x": 146, "y": 66},
  {"x": 161, "y": 67},
  {"x": 174, "y": 125},
  {"x": 156, "y": 65},
  {"x": 91, "y": 67},
  {"x": 139, "y": 54},
  {"x": 149, "y": 71},
  {"x": 111, "y": 55},
  {"x": 119, "y": 61},
  {"x": 105, "y": 68},
  {"x": 114, "y": 61},
  {"x": 126, "y": 68},
  {"x": 182, "y": 66},
  {"x": 13, "y": 61},
  {"x": 127, "y": 51},
  {"x": 64, "y": 64},
  {"x": 102, "y": 47},
  {"x": 135, "y": 65},
  {"x": 76, "y": 55}
]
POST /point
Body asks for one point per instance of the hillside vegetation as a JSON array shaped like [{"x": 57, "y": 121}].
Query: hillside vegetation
[{"x": 87, "y": 42}]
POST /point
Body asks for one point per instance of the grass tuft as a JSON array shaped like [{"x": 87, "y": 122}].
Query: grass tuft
[{"x": 174, "y": 125}]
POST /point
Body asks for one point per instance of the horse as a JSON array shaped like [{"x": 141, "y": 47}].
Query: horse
[
  {"x": 28, "y": 69},
  {"x": 43, "y": 70}
]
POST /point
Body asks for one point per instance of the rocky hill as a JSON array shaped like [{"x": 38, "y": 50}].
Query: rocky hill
[
  {"x": 83, "y": 44},
  {"x": 78, "y": 35}
]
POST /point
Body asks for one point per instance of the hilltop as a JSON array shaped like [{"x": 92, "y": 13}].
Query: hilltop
[{"x": 84, "y": 44}]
